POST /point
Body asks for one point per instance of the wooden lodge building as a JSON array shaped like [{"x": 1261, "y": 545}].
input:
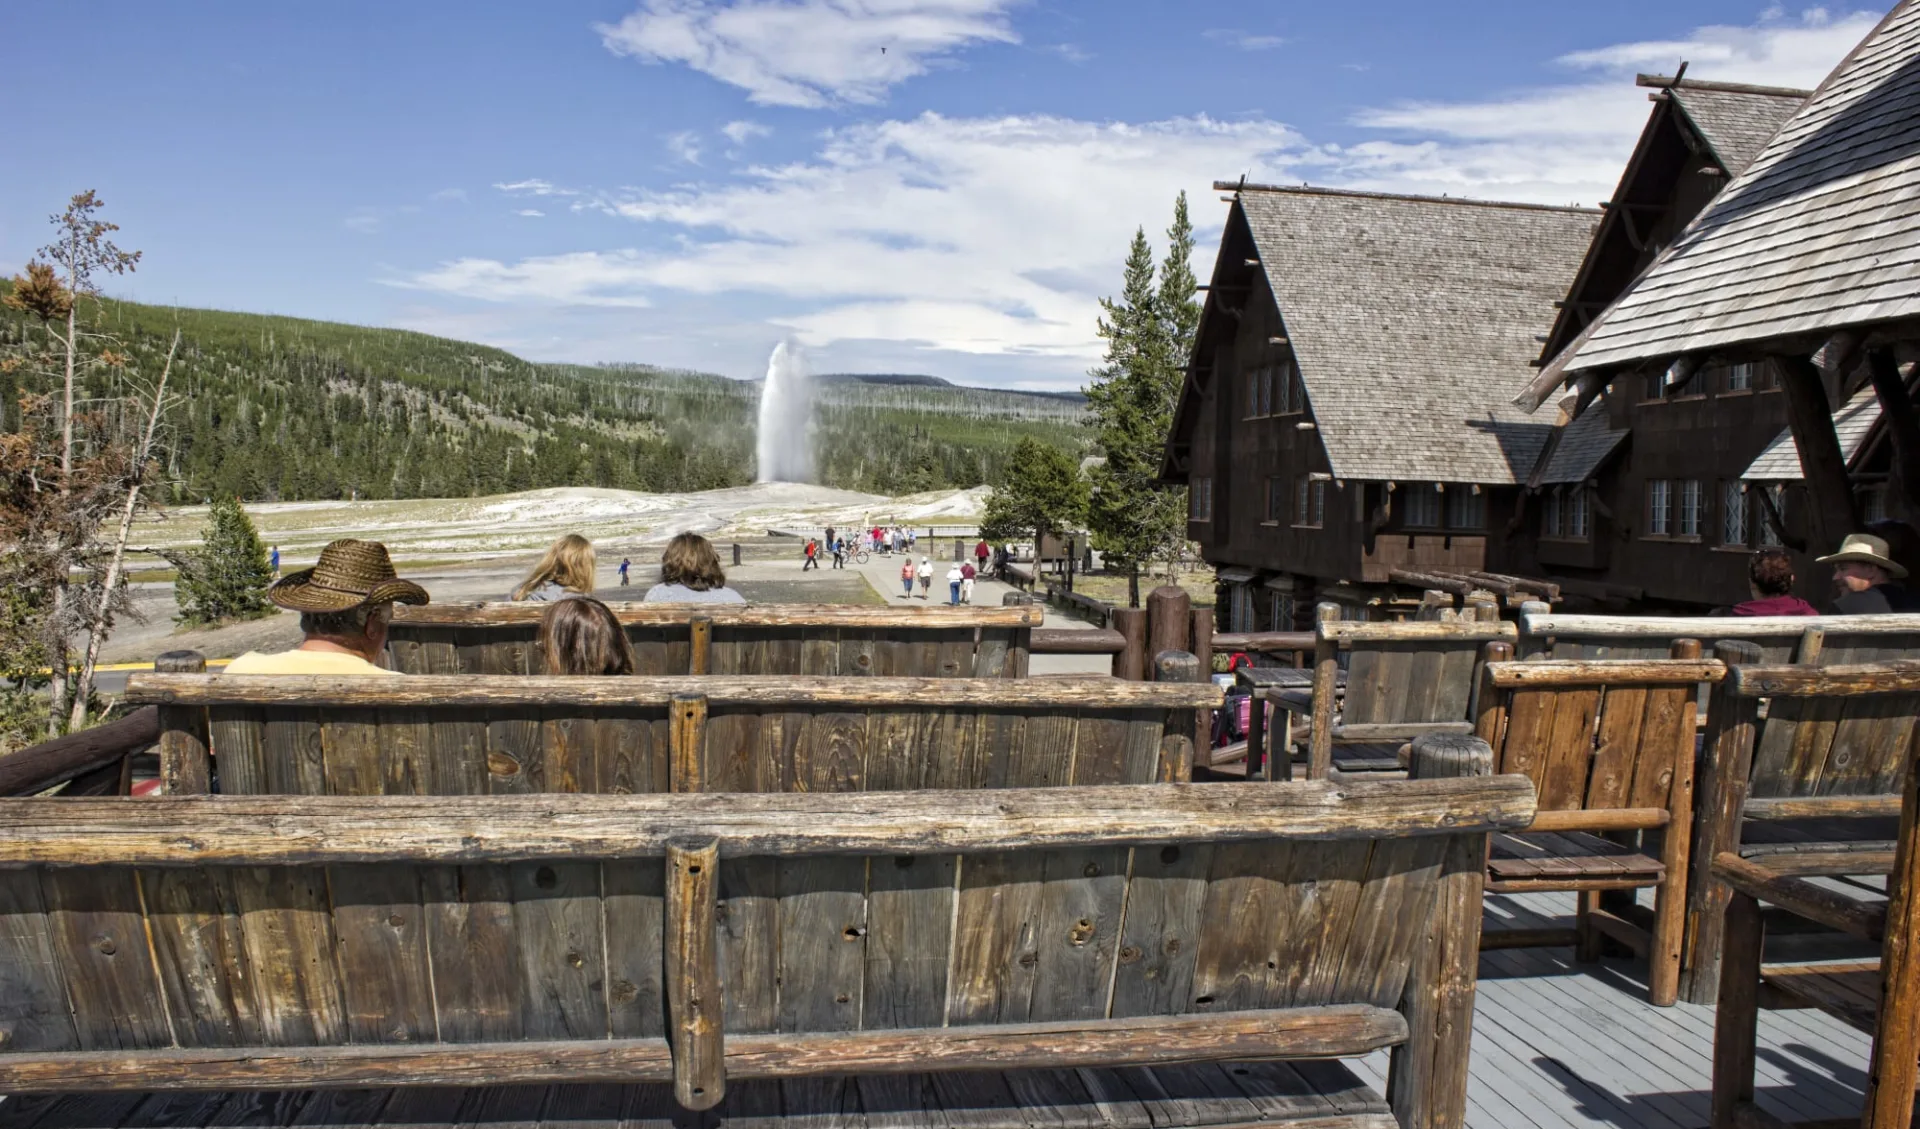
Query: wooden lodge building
[
  {"x": 1761, "y": 365},
  {"x": 1655, "y": 489},
  {"x": 1347, "y": 414}
]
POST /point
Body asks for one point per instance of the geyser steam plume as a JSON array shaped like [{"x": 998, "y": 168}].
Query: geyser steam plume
[{"x": 786, "y": 418}]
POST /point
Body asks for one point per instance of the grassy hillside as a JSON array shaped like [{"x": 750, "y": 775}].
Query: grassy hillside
[{"x": 276, "y": 408}]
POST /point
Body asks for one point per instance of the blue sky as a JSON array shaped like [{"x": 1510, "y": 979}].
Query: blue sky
[{"x": 941, "y": 186}]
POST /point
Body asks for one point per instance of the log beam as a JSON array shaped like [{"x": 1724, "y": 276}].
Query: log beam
[{"x": 1824, "y": 467}]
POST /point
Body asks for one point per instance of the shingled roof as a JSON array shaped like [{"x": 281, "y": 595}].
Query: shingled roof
[
  {"x": 1852, "y": 424},
  {"x": 1412, "y": 318},
  {"x": 1735, "y": 120},
  {"x": 1584, "y": 445},
  {"x": 1820, "y": 232}
]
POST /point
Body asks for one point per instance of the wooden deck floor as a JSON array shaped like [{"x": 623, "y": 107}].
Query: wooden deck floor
[{"x": 1555, "y": 1044}]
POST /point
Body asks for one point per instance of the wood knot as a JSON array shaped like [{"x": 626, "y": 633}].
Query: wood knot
[
  {"x": 396, "y": 921},
  {"x": 1092, "y": 870},
  {"x": 575, "y": 960},
  {"x": 545, "y": 878},
  {"x": 1172, "y": 946},
  {"x": 1028, "y": 960},
  {"x": 842, "y": 998},
  {"x": 1169, "y": 855},
  {"x": 105, "y": 944},
  {"x": 1081, "y": 933},
  {"x": 853, "y": 933},
  {"x": 1130, "y": 954},
  {"x": 623, "y": 991},
  {"x": 502, "y": 764},
  {"x": 1203, "y": 1001}
]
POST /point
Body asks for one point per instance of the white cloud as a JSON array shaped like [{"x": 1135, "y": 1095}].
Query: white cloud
[
  {"x": 1245, "y": 41},
  {"x": 808, "y": 52},
  {"x": 449, "y": 196},
  {"x": 534, "y": 187},
  {"x": 685, "y": 146},
  {"x": 741, "y": 132},
  {"x": 535, "y": 212}
]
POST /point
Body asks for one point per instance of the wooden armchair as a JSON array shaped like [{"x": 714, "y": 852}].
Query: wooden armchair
[
  {"x": 1816, "y": 778},
  {"x": 1172, "y": 955},
  {"x": 1609, "y": 746},
  {"x": 1883, "y": 996},
  {"x": 1402, "y": 680}
]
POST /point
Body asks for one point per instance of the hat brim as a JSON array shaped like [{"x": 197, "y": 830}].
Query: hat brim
[
  {"x": 297, "y": 592},
  {"x": 1893, "y": 570}
]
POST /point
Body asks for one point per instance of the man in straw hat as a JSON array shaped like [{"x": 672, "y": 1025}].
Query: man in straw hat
[
  {"x": 345, "y": 603},
  {"x": 1863, "y": 576}
]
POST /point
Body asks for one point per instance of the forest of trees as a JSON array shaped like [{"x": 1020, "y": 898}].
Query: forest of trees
[{"x": 275, "y": 408}]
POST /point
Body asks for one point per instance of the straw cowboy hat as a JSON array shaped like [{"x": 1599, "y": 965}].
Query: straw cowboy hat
[
  {"x": 1867, "y": 549},
  {"x": 350, "y": 574}
]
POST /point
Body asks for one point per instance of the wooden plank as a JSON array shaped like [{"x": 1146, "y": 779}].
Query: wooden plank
[
  {"x": 457, "y": 754},
  {"x": 1099, "y": 749},
  {"x": 302, "y": 830},
  {"x": 1667, "y": 728},
  {"x": 351, "y": 740},
  {"x": 456, "y": 614},
  {"x": 295, "y": 760},
  {"x": 379, "y": 925},
  {"x": 693, "y": 975},
  {"x": 634, "y": 906},
  {"x": 1529, "y": 735},
  {"x": 557, "y": 918},
  {"x": 1390, "y": 923},
  {"x": 687, "y": 741},
  {"x": 99, "y": 937},
  {"x": 238, "y": 741},
  {"x": 477, "y": 982},
  {"x": 910, "y": 914},
  {"x": 34, "y": 1015},
  {"x": 1569, "y": 749},
  {"x": 194, "y": 924},
  {"x": 185, "y": 769},
  {"x": 749, "y": 943},
  {"x": 1160, "y": 935},
  {"x": 1606, "y": 672},
  {"x": 406, "y": 751},
  {"x": 1617, "y": 749},
  {"x": 515, "y": 758},
  {"x": 1077, "y": 922},
  {"x": 823, "y": 906},
  {"x": 996, "y": 951},
  {"x": 286, "y": 932}
]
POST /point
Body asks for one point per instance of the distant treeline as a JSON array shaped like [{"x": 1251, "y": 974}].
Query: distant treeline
[{"x": 275, "y": 408}]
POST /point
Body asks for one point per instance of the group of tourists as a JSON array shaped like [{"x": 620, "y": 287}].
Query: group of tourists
[{"x": 346, "y": 600}]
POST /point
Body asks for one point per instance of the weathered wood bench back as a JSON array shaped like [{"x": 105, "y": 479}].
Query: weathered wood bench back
[
  {"x": 1835, "y": 640},
  {"x": 936, "y": 642},
  {"x": 272, "y": 942},
  {"x": 1819, "y": 775},
  {"x": 481, "y": 735},
  {"x": 1609, "y": 746},
  {"x": 1403, "y": 679}
]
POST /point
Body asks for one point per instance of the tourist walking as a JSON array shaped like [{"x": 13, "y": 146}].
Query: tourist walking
[
  {"x": 690, "y": 573},
  {"x": 839, "y": 554},
  {"x": 828, "y": 540},
  {"x": 981, "y": 552},
  {"x": 967, "y": 573},
  {"x": 906, "y": 578},
  {"x": 953, "y": 586},
  {"x": 275, "y": 562},
  {"x": 566, "y": 571},
  {"x": 345, "y": 604},
  {"x": 583, "y": 637},
  {"x": 625, "y": 564},
  {"x": 813, "y": 555},
  {"x": 926, "y": 578}
]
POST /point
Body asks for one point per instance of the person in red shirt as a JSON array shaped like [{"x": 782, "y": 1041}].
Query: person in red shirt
[
  {"x": 1770, "y": 579},
  {"x": 981, "y": 552}
]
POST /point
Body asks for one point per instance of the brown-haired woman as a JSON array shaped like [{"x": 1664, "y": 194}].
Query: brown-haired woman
[
  {"x": 1770, "y": 579},
  {"x": 583, "y": 636},
  {"x": 690, "y": 574}
]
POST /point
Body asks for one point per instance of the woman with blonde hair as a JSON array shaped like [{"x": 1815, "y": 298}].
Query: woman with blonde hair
[
  {"x": 690, "y": 574},
  {"x": 567, "y": 570},
  {"x": 583, "y": 636}
]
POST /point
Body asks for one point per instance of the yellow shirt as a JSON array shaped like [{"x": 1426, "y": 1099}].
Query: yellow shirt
[{"x": 303, "y": 662}]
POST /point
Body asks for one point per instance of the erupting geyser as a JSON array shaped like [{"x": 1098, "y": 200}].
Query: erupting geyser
[{"x": 786, "y": 418}]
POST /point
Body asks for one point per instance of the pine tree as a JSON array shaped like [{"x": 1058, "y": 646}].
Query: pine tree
[
  {"x": 1136, "y": 520},
  {"x": 227, "y": 579},
  {"x": 1040, "y": 492}
]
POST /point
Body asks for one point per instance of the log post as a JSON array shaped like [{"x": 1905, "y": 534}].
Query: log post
[
  {"x": 1534, "y": 646},
  {"x": 1732, "y": 722},
  {"x": 1130, "y": 662},
  {"x": 1201, "y": 643},
  {"x": 1896, "y": 407},
  {"x": 1176, "y": 666},
  {"x": 736, "y": 554},
  {"x": 693, "y": 975},
  {"x": 1484, "y": 605},
  {"x": 1891, "y": 1073},
  {"x": 1666, "y": 948},
  {"x": 700, "y": 649},
  {"x": 1822, "y": 464},
  {"x": 1737, "y": 1016},
  {"x": 1326, "y": 675},
  {"x": 1427, "y": 1075},
  {"x": 1169, "y": 617},
  {"x": 1181, "y": 666},
  {"x": 185, "y": 767},
  {"x": 687, "y": 742},
  {"x": 1016, "y": 600}
]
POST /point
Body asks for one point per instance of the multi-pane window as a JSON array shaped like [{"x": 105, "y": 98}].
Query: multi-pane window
[
  {"x": 1657, "y": 385},
  {"x": 1733, "y": 514},
  {"x": 1740, "y": 377},
  {"x": 1200, "y": 500},
  {"x": 1292, "y": 395},
  {"x": 1240, "y": 608},
  {"x": 1765, "y": 535},
  {"x": 1873, "y": 503},
  {"x": 1281, "y": 609},
  {"x": 1692, "y": 499},
  {"x": 1466, "y": 509},
  {"x": 1659, "y": 508},
  {"x": 1567, "y": 515},
  {"x": 1259, "y": 391},
  {"x": 1276, "y": 498},
  {"x": 1310, "y": 503},
  {"x": 1420, "y": 506}
]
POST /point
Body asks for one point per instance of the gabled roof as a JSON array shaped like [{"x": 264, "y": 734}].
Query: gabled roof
[
  {"x": 1735, "y": 120},
  {"x": 1853, "y": 423},
  {"x": 1821, "y": 232},
  {"x": 1584, "y": 445},
  {"x": 1412, "y": 318}
]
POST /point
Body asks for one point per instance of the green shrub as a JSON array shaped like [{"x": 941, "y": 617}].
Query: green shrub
[{"x": 227, "y": 578}]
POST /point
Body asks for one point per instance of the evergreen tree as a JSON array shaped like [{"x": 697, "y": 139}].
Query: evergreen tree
[
  {"x": 227, "y": 578},
  {"x": 1137, "y": 520},
  {"x": 1040, "y": 492}
]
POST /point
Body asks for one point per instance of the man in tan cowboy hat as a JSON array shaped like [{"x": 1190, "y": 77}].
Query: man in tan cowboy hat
[
  {"x": 345, "y": 603},
  {"x": 1863, "y": 575}
]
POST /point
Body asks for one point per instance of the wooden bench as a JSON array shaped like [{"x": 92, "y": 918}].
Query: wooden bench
[
  {"x": 1817, "y": 776},
  {"x": 481, "y": 734},
  {"x": 1878, "y": 996},
  {"x": 1609, "y": 745},
  {"x": 827, "y": 639},
  {"x": 1828, "y": 640},
  {"x": 1401, "y": 680},
  {"x": 1165, "y": 955}
]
